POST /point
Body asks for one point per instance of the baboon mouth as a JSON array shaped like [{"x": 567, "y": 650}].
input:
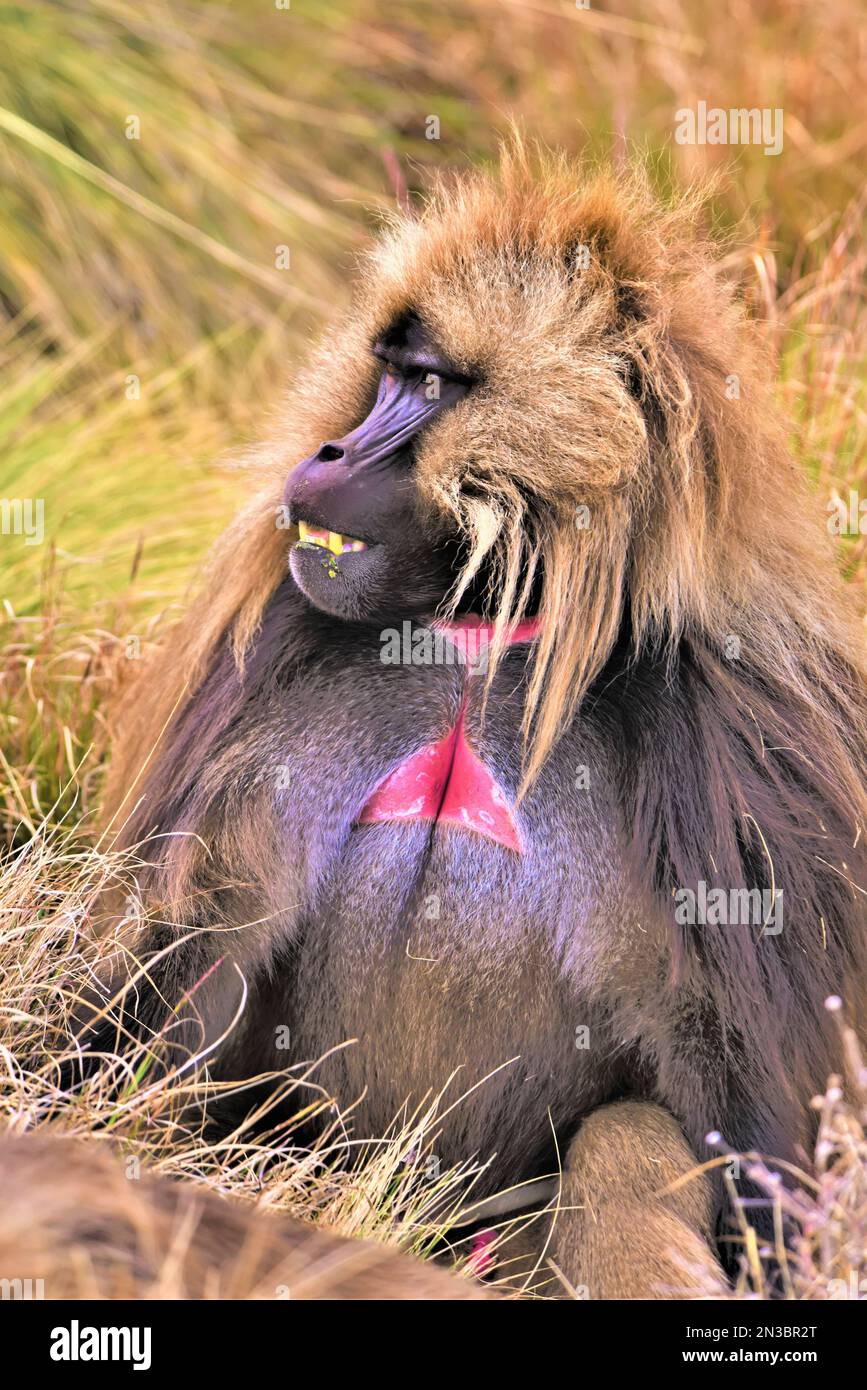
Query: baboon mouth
[
  {"x": 338, "y": 573},
  {"x": 333, "y": 541}
]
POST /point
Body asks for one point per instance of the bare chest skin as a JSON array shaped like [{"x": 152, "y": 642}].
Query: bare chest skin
[{"x": 450, "y": 963}]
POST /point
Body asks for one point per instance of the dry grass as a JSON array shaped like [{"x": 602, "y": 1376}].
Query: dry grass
[
  {"x": 389, "y": 1189},
  {"x": 820, "y": 1219},
  {"x": 152, "y": 261}
]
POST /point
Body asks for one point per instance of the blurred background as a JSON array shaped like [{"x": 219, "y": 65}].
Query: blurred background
[{"x": 185, "y": 187}]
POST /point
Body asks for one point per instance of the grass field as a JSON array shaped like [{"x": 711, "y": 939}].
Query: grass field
[{"x": 184, "y": 188}]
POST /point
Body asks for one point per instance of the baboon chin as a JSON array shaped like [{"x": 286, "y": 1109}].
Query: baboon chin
[{"x": 470, "y": 854}]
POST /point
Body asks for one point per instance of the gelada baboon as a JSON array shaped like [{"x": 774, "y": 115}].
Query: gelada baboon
[{"x": 535, "y": 754}]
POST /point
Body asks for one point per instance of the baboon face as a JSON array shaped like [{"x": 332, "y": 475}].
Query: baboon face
[
  {"x": 369, "y": 547},
  {"x": 502, "y": 401}
]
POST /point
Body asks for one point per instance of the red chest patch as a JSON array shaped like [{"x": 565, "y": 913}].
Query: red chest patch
[{"x": 447, "y": 781}]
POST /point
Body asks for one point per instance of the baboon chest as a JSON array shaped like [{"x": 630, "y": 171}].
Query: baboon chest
[
  {"x": 432, "y": 1006},
  {"x": 437, "y": 950}
]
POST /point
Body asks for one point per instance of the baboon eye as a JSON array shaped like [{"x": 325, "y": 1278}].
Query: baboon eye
[{"x": 418, "y": 376}]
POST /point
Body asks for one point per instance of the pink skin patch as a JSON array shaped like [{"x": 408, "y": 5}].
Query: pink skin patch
[
  {"x": 447, "y": 781},
  {"x": 484, "y": 632},
  {"x": 480, "y": 1260}
]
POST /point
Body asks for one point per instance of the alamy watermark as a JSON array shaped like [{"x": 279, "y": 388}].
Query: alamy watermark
[
  {"x": 22, "y": 1290},
  {"x": 411, "y": 645},
  {"x": 847, "y": 517},
  {"x": 23, "y": 517},
  {"x": 739, "y": 125},
  {"x": 77, "y": 1343},
  {"x": 730, "y": 907}
]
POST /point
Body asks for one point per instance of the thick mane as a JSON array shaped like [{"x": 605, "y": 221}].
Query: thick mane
[
  {"x": 623, "y": 445},
  {"x": 724, "y": 785}
]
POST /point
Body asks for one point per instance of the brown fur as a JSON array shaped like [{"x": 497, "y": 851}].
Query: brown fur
[
  {"x": 71, "y": 1217},
  {"x": 627, "y": 1236},
  {"x": 615, "y": 398}
]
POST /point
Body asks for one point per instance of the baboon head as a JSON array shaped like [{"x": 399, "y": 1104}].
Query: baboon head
[{"x": 369, "y": 547}]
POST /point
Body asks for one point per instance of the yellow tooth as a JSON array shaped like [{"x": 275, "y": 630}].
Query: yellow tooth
[
  {"x": 314, "y": 535},
  {"x": 333, "y": 541}
]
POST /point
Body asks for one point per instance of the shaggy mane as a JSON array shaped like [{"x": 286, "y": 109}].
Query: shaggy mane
[{"x": 603, "y": 310}]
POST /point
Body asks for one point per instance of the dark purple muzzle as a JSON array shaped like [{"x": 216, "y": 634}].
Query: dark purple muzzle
[{"x": 349, "y": 484}]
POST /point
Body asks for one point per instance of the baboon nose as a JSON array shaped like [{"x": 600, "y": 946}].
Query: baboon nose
[{"x": 329, "y": 453}]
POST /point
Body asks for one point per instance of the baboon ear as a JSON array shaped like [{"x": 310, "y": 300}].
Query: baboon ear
[
  {"x": 631, "y": 308},
  {"x": 631, "y": 315},
  {"x": 634, "y": 380}
]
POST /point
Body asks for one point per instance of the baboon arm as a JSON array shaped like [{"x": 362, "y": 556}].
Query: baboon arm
[{"x": 618, "y": 1234}]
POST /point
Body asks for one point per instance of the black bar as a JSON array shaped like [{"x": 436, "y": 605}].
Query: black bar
[{"x": 259, "y": 1338}]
